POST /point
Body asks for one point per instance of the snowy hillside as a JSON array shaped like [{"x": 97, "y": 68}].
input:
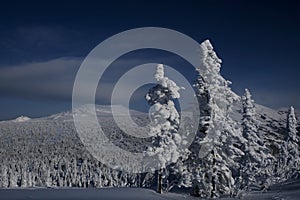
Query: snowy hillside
[
  {"x": 22, "y": 119},
  {"x": 52, "y": 147},
  {"x": 55, "y": 137}
]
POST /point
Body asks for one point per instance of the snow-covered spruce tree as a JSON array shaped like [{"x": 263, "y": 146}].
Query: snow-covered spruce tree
[
  {"x": 12, "y": 176},
  {"x": 4, "y": 177},
  {"x": 24, "y": 175},
  {"x": 257, "y": 161},
  {"x": 220, "y": 148},
  {"x": 293, "y": 160},
  {"x": 195, "y": 164},
  {"x": 165, "y": 122},
  {"x": 289, "y": 161}
]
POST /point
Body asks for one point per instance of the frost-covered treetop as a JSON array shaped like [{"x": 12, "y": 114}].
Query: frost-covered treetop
[
  {"x": 292, "y": 123},
  {"x": 210, "y": 56},
  {"x": 248, "y": 95},
  {"x": 159, "y": 74},
  {"x": 210, "y": 72},
  {"x": 248, "y": 104},
  {"x": 211, "y": 63},
  {"x": 166, "y": 82}
]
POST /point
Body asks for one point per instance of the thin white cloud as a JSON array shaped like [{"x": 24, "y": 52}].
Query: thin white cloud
[{"x": 53, "y": 78}]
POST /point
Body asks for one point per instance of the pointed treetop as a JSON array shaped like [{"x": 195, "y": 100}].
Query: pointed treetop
[
  {"x": 166, "y": 82},
  {"x": 208, "y": 50},
  {"x": 159, "y": 74},
  {"x": 247, "y": 92},
  {"x": 248, "y": 97},
  {"x": 292, "y": 110},
  {"x": 292, "y": 123},
  {"x": 208, "y": 45}
]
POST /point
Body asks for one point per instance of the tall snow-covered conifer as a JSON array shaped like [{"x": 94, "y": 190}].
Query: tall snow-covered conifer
[
  {"x": 4, "y": 177},
  {"x": 221, "y": 133},
  {"x": 165, "y": 121},
  {"x": 257, "y": 161},
  {"x": 291, "y": 147}
]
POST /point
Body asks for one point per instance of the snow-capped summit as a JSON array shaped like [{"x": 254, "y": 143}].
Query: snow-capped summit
[{"x": 22, "y": 119}]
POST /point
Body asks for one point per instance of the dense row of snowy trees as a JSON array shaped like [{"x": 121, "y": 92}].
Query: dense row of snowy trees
[
  {"x": 62, "y": 171},
  {"x": 46, "y": 153},
  {"x": 226, "y": 157},
  {"x": 238, "y": 159}
]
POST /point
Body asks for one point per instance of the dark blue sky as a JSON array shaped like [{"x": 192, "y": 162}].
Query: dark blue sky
[{"x": 42, "y": 44}]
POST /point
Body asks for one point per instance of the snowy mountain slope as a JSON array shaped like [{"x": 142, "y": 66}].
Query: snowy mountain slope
[
  {"x": 270, "y": 119},
  {"x": 53, "y": 142},
  {"x": 60, "y": 127},
  {"x": 22, "y": 119},
  {"x": 48, "y": 152}
]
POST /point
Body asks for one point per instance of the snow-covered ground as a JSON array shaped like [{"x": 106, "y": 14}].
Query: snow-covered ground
[
  {"x": 88, "y": 194},
  {"x": 286, "y": 191}
]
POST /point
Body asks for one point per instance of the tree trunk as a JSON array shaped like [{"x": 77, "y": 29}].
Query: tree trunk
[
  {"x": 159, "y": 182},
  {"x": 213, "y": 181}
]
